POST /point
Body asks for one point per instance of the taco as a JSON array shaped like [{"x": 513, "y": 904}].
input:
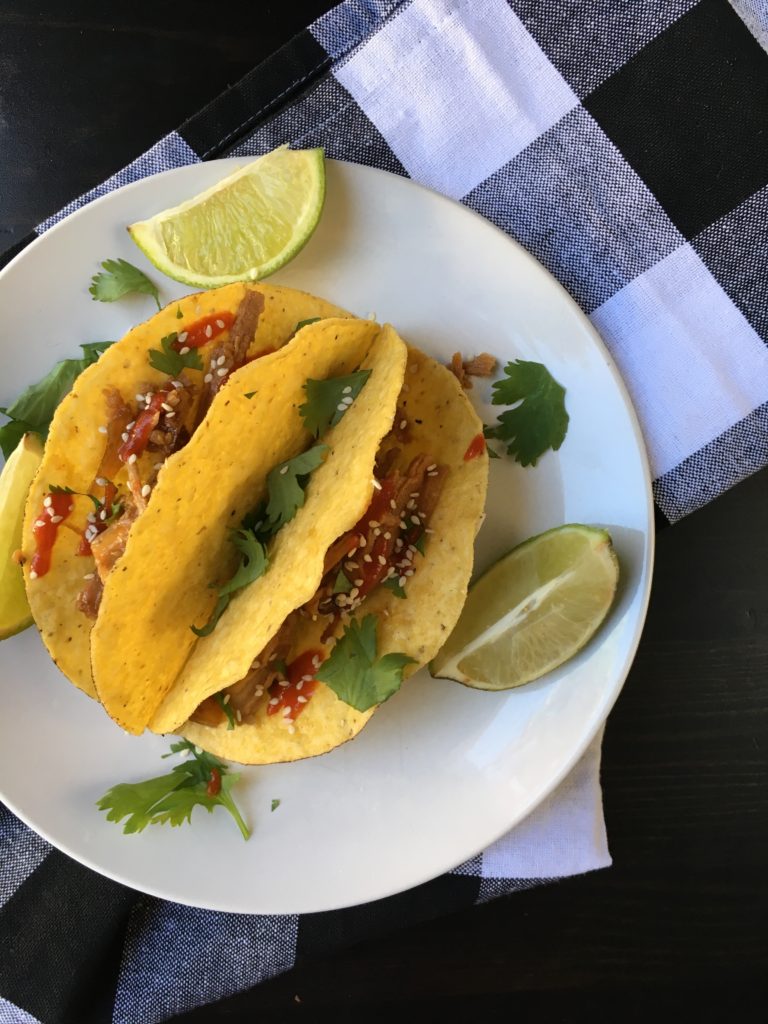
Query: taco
[
  {"x": 184, "y": 553},
  {"x": 118, "y": 433},
  {"x": 381, "y": 554}
]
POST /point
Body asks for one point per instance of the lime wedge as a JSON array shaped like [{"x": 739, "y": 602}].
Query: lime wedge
[
  {"x": 242, "y": 229},
  {"x": 17, "y": 475},
  {"x": 531, "y": 611}
]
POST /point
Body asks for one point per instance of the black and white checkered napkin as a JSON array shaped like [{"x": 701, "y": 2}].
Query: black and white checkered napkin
[{"x": 625, "y": 146}]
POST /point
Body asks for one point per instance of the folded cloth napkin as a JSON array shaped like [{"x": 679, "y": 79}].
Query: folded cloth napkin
[{"x": 624, "y": 145}]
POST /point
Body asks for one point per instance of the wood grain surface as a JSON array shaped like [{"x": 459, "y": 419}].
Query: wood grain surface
[{"x": 677, "y": 928}]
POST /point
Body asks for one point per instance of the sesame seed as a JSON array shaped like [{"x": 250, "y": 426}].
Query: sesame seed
[
  {"x": 101, "y": 481},
  {"x": 286, "y": 712},
  {"x": 131, "y": 425},
  {"x": 347, "y": 401},
  {"x": 47, "y": 501},
  {"x": 183, "y": 350},
  {"x": 432, "y": 474},
  {"x": 382, "y": 560},
  {"x": 227, "y": 697},
  {"x": 301, "y": 700},
  {"x": 158, "y": 465},
  {"x": 170, "y": 415},
  {"x": 372, "y": 523},
  {"x": 392, "y": 503},
  {"x": 56, "y": 519},
  {"x": 411, "y": 504},
  {"x": 222, "y": 371},
  {"x": 341, "y": 407},
  {"x": 258, "y": 692},
  {"x": 307, "y": 678},
  {"x": 208, "y": 331},
  {"x": 124, "y": 436},
  {"x": 376, "y": 483},
  {"x": 387, "y": 535},
  {"x": 148, "y": 397},
  {"x": 367, "y": 558},
  {"x": 221, "y": 360},
  {"x": 354, "y": 592},
  {"x": 415, "y": 520},
  {"x": 403, "y": 424},
  {"x": 363, "y": 542},
  {"x": 413, "y": 549},
  {"x": 283, "y": 682},
  {"x": 346, "y": 390},
  {"x": 183, "y": 337},
  {"x": 341, "y": 600},
  {"x": 132, "y": 459},
  {"x": 351, "y": 566},
  {"x": 102, "y": 430},
  {"x": 220, "y": 324},
  {"x": 139, "y": 398},
  {"x": 177, "y": 383},
  {"x": 103, "y": 515},
  {"x": 283, "y": 470},
  {"x": 146, "y": 490},
  {"x": 408, "y": 572},
  {"x": 168, "y": 408},
  {"x": 208, "y": 378},
  {"x": 89, "y": 575},
  {"x": 403, "y": 524},
  {"x": 39, "y": 522},
  {"x": 427, "y": 530},
  {"x": 315, "y": 661},
  {"x": 274, "y": 700},
  {"x": 33, "y": 575},
  {"x": 358, "y": 583},
  {"x": 415, "y": 494},
  {"x": 299, "y": 684},
  {"x": 433, "y": 466},
  {"x": 239, "y": 715},
  {"x": 291, "y": 729}
]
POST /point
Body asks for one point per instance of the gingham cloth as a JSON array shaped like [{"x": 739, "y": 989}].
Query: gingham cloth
[{"x": 625, "y": 144}]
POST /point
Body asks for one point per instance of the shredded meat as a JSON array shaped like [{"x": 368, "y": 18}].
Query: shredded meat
[
  {"x": 172, "y": 432},
  {"x": 119, "y": 415},
  {"x": 234, "y": 348},
  {"x": 89, "y": 598},
  {"x": 107, "y": 547},
  {"x": 483, "y": 365}
]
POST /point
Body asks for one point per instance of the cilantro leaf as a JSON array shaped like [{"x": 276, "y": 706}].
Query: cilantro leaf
[
  {"x": 393, "y": 584},
  {"x": 172, "y": 362},
  {"x": 179, "y": 314},
  {"x": 305, "y": 323},
  {"x": 202, "y": 780},
  {"x": 227, "y": 709},
  {"x": 342, "y": 584},
  {"x": 34, "y": 408},
  {"x": 121, "y": 278},
  {"x": 539, "y": 420},
  {"x": 275, "y": 804},
  {"x": 254, "y": 564},
  {"x": 328, "y": 400},
  {"x": 420, "y": 543},
  {"x": 55, "y": 489},
  {"x": 286, "y": 484},
  {"x": 355, "y": 674}
]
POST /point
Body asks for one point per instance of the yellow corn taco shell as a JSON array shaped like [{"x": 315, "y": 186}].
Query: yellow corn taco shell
[
  {"x": 443, "y": 423},
  {"x": 180, "y": 545},
  {"x": 75, "y": 447}
]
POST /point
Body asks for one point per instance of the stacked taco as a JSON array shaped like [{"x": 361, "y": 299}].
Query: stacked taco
[{"x": 311, "y": 511}]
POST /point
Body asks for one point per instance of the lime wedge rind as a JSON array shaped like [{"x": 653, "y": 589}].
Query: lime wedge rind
[{"x": 15, "y": 480}]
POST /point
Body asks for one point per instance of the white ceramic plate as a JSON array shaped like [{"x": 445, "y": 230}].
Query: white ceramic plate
[{"x": 441, "y": 771}]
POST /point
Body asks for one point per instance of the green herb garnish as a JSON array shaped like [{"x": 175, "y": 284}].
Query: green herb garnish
[
  {"x": 304, "y": 323},
  {"x": 34, "y": 408},
  {"x": 286, "y": 484},
  {"x": 342, "y": 584},
  {"x": 172, "y": 362},
  {"x": 201, "y": 780},
  {"x": 355, "y": 674},
  {"x": 275, "y": 804},
  {"x": 328, "y": 400},
  {"x": 254, "y": 563},
  {"x": 225, "y": 707},
  {"x": 393, "y": 584},
  {"x": 539, "y": 421},
  {"x": 121, "y": 278}
]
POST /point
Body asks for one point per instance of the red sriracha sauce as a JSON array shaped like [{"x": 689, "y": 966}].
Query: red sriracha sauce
[
  {"x": 214, "y": 786},
  {"x": 475, "y": 449},
  {"x": 203, "y": 330},
  {"x": 56, "y": 508},
  {"x": 301, "y": 685},
  {"x": 146, "y": 421}
]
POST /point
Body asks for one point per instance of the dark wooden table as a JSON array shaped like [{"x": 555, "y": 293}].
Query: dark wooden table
[{"x": 677, "y": 928}]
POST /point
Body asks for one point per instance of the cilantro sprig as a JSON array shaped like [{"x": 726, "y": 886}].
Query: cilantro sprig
[
  {"x": 34, "y": 408},
  {"x": 254, "y": 563},
  {"x": 121, "y": 278},
  {"x": 286, "y": 484},
  {"x": 538, "y": 420},
  {"x": 168, "y": 360},
  {"x": 355, "y": 674},
  {"x": 328, "y": 400},
  {"x": 202, "y": 780}
]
